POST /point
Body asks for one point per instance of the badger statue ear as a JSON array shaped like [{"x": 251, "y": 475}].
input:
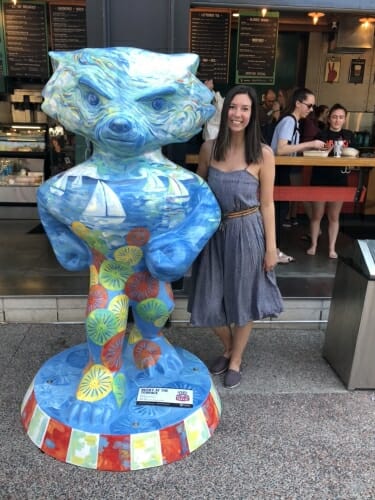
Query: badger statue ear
[
  {"x": 56, "y": 58},
  {"x": 188, "y": 61}
]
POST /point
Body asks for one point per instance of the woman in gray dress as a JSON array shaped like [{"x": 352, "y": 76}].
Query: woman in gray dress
[{"x": 233, "y": 280}]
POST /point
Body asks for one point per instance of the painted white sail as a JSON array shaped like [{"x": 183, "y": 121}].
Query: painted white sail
[
  {"x": 59, "y": 186},
  {"x": 104, "y": 203}
]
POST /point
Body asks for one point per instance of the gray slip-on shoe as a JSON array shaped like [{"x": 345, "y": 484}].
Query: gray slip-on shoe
[
  {"x": 232, "y": 379},
  {"x": 220, "y": 365}
]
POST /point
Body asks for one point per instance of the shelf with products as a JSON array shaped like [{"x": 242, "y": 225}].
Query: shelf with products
[{"x": 24, "y": 160}]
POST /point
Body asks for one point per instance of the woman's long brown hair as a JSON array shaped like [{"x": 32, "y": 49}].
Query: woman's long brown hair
[{"x": 253, "y": 144}]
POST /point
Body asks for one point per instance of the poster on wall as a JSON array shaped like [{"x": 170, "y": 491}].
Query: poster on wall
[
  {"x": 256, "y": 47},
  {"x": 357, "y": 70},
  {"x": 26, "y": 39},
  {"x": 210, "y": 39},
  {"x": 332, "y": 70}
]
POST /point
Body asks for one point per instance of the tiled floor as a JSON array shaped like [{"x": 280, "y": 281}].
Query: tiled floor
[{"x": 33, "y": 285}]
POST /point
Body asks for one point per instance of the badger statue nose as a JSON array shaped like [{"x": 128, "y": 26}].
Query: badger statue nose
[{"x": 120, "y": 126}]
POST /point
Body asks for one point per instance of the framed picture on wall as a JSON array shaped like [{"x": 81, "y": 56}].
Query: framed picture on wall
[
  {"x": 357, "y": 70},
  {"x": 332, "y": 71}
]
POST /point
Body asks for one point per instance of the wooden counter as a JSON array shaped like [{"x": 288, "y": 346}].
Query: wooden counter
[
  {"x": 311, "y": 161},
  {"x": 354, "y": 194},
  {"x": 325, "y": 193},
  {"x": 329, "y": 161}
]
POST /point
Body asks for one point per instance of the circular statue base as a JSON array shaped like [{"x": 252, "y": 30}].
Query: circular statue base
[{"x": 117, "y": 433}]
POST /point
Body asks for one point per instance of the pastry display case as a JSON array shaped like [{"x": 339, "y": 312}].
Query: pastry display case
[{"x": 23, "y": 163}]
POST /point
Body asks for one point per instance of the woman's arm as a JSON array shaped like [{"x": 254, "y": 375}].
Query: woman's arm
[
  {"x": 267, "y": 208},
  {"x": 204, "y": 159},
  {"x": 285, "y": 149}
]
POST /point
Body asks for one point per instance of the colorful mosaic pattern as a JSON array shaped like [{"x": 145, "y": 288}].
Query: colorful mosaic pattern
[
  {"x": 135, "y": 220},
  {"x": 120, "y": 452}
]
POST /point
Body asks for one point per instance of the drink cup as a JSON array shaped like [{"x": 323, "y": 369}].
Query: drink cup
[{"x": 337, "y": 148}]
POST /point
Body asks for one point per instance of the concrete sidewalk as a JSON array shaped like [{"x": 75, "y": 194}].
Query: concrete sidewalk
[{"x": 290, "y": 430}]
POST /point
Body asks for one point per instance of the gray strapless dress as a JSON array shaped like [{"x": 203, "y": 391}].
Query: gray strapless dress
[{"x": 229, "y": 284}]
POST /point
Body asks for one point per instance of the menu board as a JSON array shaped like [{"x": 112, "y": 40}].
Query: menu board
[
  {"x": 68, "y": 27},
  {"x": 256, "y": 48},
  {"x": 210, "y": 39},
  {"x": 26, "y": 40},
  {"x": 2, "y": 62}
]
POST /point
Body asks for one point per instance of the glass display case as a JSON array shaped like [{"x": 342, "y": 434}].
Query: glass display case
[{"x": 23, "y": 163}]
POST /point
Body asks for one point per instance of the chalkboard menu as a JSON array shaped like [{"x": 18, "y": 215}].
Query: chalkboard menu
[
  {"x": 210, "y": 39},
  {"x": 26, "y": 40},
  {"x": 68, "y": 27},
  {"x": 256, "y": 48}
]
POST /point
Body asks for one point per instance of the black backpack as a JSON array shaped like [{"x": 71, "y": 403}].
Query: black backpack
[{"x": 269, "y": 128}]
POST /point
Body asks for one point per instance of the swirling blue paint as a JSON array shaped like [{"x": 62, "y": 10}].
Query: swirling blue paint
[{"x": 128, "y": 102}]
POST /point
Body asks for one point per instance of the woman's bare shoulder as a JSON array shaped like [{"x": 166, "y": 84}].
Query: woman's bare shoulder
[
  {"x": 268, "y": 154},
  {"x": 204, "y": 159},
  {"x": 206, "y": 148},
  {"x": 266, "y": 150}
]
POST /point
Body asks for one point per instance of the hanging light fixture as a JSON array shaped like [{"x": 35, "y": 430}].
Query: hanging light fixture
[
  {"x": 366, "y": 21},
  {"x": 316, "y": 16},
  {"x": 14, "y": 2},
  {"x": 264, "y": 12}
]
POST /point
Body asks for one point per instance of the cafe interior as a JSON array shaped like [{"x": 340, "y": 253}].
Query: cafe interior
[{"x": 327, "y": 49}]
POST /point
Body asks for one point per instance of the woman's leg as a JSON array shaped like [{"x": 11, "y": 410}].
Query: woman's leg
[
  {"x": 225, "y": 335},
  {"x": 333, "y": 214},
  {"x": 316, "y": 217},
  {"x": 241, "y": 336}
]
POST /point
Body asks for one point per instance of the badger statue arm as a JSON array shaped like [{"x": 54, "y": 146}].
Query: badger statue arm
[
  {"x": 71, "y": 252},
  {"x": 169, "y": 256}
]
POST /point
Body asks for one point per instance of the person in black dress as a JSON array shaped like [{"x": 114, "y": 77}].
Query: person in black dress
[{"x": 323, "y": 176}]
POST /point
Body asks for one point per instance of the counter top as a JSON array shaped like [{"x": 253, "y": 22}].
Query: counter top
[
  {"x": 312, "y": 161},
  {"x": 329, "y": 161}
]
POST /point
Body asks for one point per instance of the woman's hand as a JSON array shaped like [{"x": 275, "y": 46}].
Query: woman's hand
[
  {"x": 318, "y": 144},
  {"x": 270, "y": 260}
]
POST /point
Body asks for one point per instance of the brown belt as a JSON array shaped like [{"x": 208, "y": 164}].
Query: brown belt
[{"x": 240, "y": 213}]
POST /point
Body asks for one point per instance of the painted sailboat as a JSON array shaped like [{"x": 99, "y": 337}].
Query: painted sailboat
[{"x": 104, "y": 204}]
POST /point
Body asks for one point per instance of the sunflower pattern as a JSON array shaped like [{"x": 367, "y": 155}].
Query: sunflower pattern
[
  {"x": 112, "y": 351},
  {"x": 146, "y": 354},
  {"x": 97, "y": 258},
  {"x": 129, "y": 254},
  {"x": 141, "y": 285},
  {"x": 119, "y": 306},
  {"x": 94, "y": 276},
  {"x": 153, "y": 311},
  {"x": 113, "y": 275},
  {"x": 97, "y": 298},
  {"x": 135, "y": 335},
  {"x": 115, "y": 283},
  {"x": 96, "y": 384},
  {"x": 94, "y": 239},
  {"x": 101, "y": 325},
  {"x": 138, "y": 236}
]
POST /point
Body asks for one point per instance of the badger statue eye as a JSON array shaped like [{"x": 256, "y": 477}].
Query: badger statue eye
[
  {"x": 92, "y": 99},
  {"x": 158, "y": 103}
]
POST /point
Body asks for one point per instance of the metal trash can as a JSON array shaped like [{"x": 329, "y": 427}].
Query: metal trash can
[{"x": 350, "y": 336}]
